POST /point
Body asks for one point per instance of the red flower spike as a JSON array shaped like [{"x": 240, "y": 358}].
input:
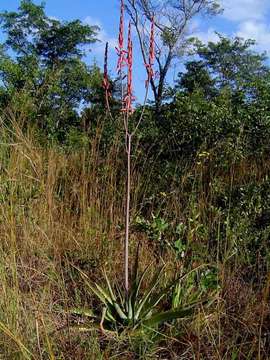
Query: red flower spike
[
  {"x": 151, "y": 59},
  {"x": 120, "y": 49},
  {"x": 129, "y": 96},
  {"x": 152, "y": 43},
  {"x": 106, "y": 83}
]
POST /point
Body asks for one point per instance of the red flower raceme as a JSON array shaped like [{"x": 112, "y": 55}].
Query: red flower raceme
[
  {"x": 129, "y": 94},
  {"x": 106, "y": 83},
  {"x": 122, "y": 61},
  {"x": 151, "y": 58}
]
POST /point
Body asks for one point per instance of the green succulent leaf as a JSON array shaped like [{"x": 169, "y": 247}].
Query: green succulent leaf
[
  {"x": 83, "y": 312},
  {"x": 146, "y": 297},
  {"x": 104, "y": 295},
  {"x": 113, "y": 297},
  {"x": 119, "y": 311},
  {"x": 168, "y": 316}
]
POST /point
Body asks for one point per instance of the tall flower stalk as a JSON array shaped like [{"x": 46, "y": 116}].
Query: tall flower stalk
[
  {"x": 125, "y": 71},
  {"x": 127, "y": 111},
  {"x": 106, "y": 82}
]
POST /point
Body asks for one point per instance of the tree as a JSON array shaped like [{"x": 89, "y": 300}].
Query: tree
[
  {"x": 97, "y": 106},
  {"x": 30, "y": 31},
  {"x": 46, "y": 62},
  {"x": 222, "y": 97},
  {"x": 172, "y": 19},
  {"x": 229, "y": 64},
  {"x": 232, "y": 63},
  {"x": 196, "y": 77}
]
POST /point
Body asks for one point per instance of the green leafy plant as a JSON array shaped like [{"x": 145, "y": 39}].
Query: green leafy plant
[
  {"x": 156, "y": 228},
  {"x": 179, "y": 246},
  {"x": 194, "y": 286},
  {"x": 164, "y": 233},
  {"x": 137, "y": 310}
]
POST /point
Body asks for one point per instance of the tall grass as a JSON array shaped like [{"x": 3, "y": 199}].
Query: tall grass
[{"x": 62, "y": 209}]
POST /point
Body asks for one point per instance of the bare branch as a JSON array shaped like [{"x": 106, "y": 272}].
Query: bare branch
[{"x": 172, "y": 20}]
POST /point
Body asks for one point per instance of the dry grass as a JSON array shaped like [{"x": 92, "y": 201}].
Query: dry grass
[{"x": 60, "y": 209}]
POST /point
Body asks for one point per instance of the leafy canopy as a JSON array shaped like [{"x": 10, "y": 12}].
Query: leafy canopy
[{"x": 43, "y": 58}]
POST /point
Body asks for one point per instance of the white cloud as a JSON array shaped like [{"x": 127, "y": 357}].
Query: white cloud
[
  {"x": 250, "y": 29},
  {"x": 206, "y": 36},
  {"x": 241, "y": 10},
  {"x": 258, "y": 31},
  {"x": 103, "y": 36},
  {"x": 54, "y": 18},
  {"x": 251, "y": 20},
  {"x": 195, "y": 30}
]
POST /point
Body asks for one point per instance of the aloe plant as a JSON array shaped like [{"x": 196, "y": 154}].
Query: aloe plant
[
  {"x": 137, "y": 310},
  {"x": 125, "y": 71}
]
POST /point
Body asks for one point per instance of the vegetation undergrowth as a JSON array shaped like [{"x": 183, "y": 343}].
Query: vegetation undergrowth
[
  {"x": 196, "y": 176},
  {"x": 63, "y": 211}
]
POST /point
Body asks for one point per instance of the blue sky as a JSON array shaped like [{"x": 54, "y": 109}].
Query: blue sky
[{"x": 245, "y": 18}]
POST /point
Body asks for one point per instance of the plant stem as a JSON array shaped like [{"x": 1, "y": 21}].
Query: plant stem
[{"x": 128, "y": 150}]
